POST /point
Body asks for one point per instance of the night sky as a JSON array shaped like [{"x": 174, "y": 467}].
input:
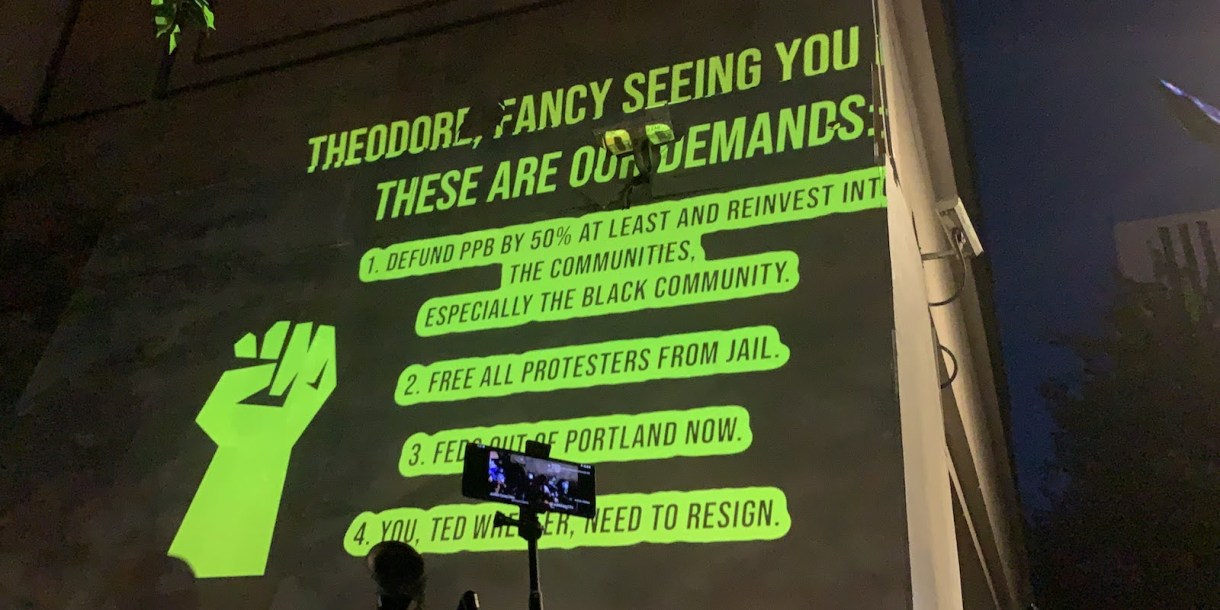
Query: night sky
[{"x": 1071, "y": 136}]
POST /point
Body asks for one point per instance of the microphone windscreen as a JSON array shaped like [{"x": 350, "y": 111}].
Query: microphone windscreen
[{"x": 470, "y": 601}]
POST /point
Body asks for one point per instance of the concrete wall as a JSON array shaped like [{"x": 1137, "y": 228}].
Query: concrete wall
[
  {"x": 120, "y": 126},
  {"x": 30, "y": 33}
]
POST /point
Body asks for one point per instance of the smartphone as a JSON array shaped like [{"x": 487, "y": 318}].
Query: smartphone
[{"x": 543, "y": 484}]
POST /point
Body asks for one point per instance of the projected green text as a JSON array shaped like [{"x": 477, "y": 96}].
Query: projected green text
[
  {"x": 702, "y": 516},
  {"x": 683, "y": 221},
  {"x": 619, "y": 262},
  {"x": 607, "y": 438},
  {"x": 740, "y": 350}
]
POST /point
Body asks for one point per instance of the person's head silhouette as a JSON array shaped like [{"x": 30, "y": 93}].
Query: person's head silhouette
[{"x": 398, "y": 570}]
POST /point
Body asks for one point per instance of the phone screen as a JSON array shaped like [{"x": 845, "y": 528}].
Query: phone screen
[{"x": 544, "y": 484}]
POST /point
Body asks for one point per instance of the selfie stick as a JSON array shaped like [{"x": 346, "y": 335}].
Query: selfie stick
[{"x": 529, "y": 528}]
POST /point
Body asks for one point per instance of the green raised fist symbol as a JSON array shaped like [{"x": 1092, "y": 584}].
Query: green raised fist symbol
[{"x": 255, "y": 415}]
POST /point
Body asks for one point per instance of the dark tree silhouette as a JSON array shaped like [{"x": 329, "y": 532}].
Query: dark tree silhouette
[{"x": 1135, "y": 521}]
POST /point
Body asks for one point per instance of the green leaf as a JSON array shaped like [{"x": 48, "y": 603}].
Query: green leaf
[
  {"x": 163, "y": 17},
  {"x": 209, "y": 19},
  {"x": 170, "y": 15},
  {"x": 199, "y": 12}
]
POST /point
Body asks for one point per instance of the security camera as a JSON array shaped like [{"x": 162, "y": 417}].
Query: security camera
[
  {"x": 957, "y": 225},
  {"x": 626, "y": 140},
  {"x": 641, "y": 141},
  {"x": 641, "y": 137},
  {"x": 651, "y": 128}
]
